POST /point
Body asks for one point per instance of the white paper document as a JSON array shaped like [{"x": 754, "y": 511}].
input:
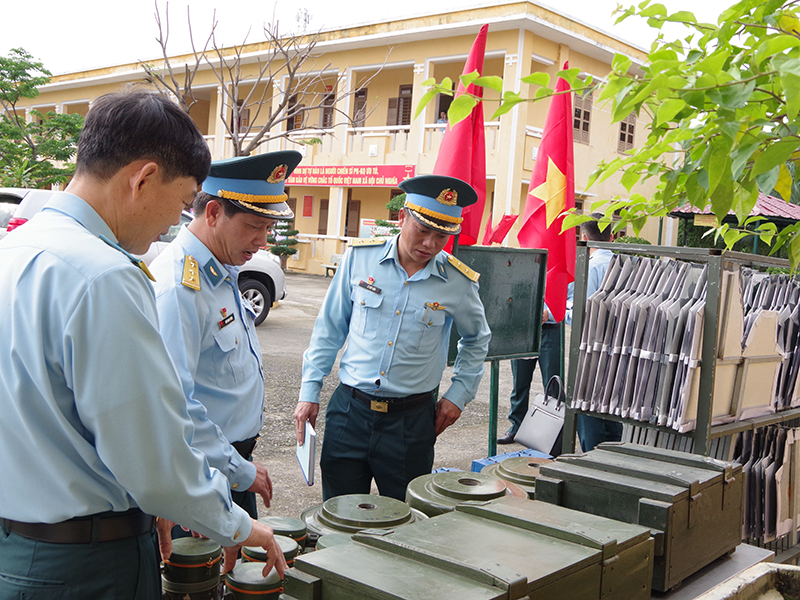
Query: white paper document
[{"x": 306, "y": 452}]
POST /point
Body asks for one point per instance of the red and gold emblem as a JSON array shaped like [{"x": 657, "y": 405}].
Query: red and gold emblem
[
  {"x": 448, "y": 197},
  {"x": 278, "y": 174}
]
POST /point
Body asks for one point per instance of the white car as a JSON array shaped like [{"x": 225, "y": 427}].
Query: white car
[{"x": 261, "y": 279}]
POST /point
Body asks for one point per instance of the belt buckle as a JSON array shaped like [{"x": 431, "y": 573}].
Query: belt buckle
[{"x": 378, "y": 406}]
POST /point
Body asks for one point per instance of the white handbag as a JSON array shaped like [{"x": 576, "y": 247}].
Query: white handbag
[{"x": 543, "y": 425}]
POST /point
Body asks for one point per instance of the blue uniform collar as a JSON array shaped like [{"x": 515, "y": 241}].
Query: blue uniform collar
[
  {"x": 213, "y": 270},
  {"x": 80, "y": 210},
  {"x": 435, "y": 266}
]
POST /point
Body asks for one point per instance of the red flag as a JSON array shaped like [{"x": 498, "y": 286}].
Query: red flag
[
  {"x": 498, "y": 233},
  {"x": 551, "y": 192},
  {"x": 463, "y": 150}
]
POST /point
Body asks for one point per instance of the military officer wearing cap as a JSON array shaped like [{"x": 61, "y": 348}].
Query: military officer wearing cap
[
  {"x": 394, "y": 302},
  {"x": 208, "y": 326}
]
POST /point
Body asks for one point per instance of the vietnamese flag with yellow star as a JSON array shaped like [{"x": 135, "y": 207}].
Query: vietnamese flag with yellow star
[{"x": 551, "y": 192}]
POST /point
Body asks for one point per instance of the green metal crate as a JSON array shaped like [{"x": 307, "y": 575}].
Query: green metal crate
[
  {"x": 509, "y": 548},
  {"x": 693, "y": 504}
]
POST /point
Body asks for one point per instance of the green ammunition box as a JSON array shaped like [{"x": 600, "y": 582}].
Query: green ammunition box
[
  {"x": 508, "y": 548},
  {"x": 693, "y": 504}
]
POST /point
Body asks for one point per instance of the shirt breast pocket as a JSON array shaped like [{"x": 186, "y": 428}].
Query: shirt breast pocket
[
  {"x": 430, "y": 323},
  {"x": 366, "y": 313},
  {"x": 225, "y": 357}
]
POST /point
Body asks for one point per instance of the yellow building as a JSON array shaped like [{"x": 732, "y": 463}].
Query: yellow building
[{"x": 353, "y": 171}]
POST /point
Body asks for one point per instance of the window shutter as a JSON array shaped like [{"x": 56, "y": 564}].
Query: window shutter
[
  {"x": 353, "y": 217},
  {"x": 322, "y": 227},
  {"x": 391, "y": 114},
  {"x": 627, "y": 128},
  {"x": 582, "y": 113},
  {"x": 360, "y": 107}
]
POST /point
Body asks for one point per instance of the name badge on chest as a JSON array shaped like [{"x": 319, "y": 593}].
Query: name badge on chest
[
  {"x": 227, "y": 319},
  {"x": 368, "y": 285}
]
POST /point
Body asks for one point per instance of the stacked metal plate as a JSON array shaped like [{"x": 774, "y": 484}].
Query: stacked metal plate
[
  {"x": 354, "y": 512},
  {"x": 693, "y": 504},
  {"x": 508, "y": 548},
  {"x": 438, "y": 493},
  {"x": 520, "y": 470}
]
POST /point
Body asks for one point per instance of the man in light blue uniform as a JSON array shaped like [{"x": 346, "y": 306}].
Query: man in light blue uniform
[
  {"x": 394, "y": 302},
  {"x": 593, "y": 430},
  {"x": 208, "y": 327},
  {"x": 94, "y": 434}
]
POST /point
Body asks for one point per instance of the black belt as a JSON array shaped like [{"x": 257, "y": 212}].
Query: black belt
[
  {"x": 389, "y": 405},
  {"x": 245, "y": 447},
  {"x": 103, "y": 527}
]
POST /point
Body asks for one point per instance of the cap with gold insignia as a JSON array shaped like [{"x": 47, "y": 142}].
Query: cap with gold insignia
[
  {"x": 255, "y": 183},
  {"x": 437, "y": 200}
]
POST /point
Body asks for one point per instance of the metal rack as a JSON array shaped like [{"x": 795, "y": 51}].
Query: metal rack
[{"x": 705, "y": 439}]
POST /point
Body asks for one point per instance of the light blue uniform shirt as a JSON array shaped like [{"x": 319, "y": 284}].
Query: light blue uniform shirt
[
  {"x": 93, "y": 415},
  {"x": 219, "y": 364},
  {"x": 396, "y": 341}
]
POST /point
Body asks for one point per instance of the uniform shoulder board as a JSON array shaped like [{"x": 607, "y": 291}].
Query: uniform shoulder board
[
  {"x": 376, "y": 241},
  {"x": 463, "y": 269},
  {"x": 191, "y": 273}
]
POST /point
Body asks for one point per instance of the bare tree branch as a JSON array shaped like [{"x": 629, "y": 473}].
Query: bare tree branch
[{"x": 260, "y": 90}]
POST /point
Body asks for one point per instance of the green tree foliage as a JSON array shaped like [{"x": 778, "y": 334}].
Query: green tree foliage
[
  {"x": 723, "y": 100},
  {"x": 28, "y": 149}
]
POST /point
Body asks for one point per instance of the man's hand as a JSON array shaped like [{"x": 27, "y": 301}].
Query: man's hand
[
  {"x": 262, "y": 485},
  {"x": 447, "y": 413},
  {"x": 262, "y": 536},
  {"x": 164, "y": 531},
  {"x": 305, "y": 411}
]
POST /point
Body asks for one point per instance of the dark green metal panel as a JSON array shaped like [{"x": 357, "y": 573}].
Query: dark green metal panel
[
  {"x": 512, "y": 291},
  {"x": 354, "y": 571}
]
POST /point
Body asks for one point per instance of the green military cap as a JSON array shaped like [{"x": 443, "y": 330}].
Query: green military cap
[
  {"x": 255, "y": 183},
  {"x": 436, "y": 201}
]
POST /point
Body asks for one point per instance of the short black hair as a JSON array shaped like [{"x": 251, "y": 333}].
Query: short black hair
[
  {"x": 592, "y": 231},
  {"x": 126, "y": 126},
  {"x": 201, "y": 200}
]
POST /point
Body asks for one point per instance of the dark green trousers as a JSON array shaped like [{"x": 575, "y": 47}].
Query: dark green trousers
[
  {"x": 126, "y": 569},
  {"x": 361, "y": 445}
]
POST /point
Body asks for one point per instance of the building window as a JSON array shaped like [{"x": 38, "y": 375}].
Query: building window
[
  {"x": 582, "y": 113},
  {"x": 296, "y": 114},
  {"x": 327, "y": 110},
  {"x": 360, "y": 107},
  {"x": 626, "y": 131},
  {"x": 399, "y": 112}
]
